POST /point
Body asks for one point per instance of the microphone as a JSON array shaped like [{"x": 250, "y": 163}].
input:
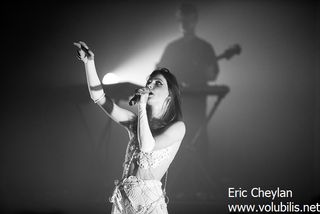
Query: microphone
[
  {"x": 137, "y": 96},
  {"x": 134, "y": 99}
]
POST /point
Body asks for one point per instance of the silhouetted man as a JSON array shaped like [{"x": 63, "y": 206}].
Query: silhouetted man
[{"x": 193, "y": 61}]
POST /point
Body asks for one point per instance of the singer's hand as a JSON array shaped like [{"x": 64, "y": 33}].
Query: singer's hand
[
  {"x": 83, "y": 53},
  {"x": 144, "y": 94}
]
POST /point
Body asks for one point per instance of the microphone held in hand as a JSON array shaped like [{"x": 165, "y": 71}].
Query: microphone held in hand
[{"x": 136, "y": 97}]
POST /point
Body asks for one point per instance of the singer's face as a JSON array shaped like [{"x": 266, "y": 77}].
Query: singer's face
[{"x": 159, "y": 90}]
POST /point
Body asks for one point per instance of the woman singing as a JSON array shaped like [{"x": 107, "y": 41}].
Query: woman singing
[{"x": 155, "y": 135}]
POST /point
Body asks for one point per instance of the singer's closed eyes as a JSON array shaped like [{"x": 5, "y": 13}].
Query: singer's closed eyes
[
  {"x": 158, "y": 82},
  {"x": 155, "y": 135}
]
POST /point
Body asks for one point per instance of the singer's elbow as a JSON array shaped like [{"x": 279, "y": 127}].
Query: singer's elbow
[{"x": 107, "y": 104}]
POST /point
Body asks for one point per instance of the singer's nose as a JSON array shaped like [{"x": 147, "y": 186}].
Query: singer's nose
[{"x": 149, "y": 86}]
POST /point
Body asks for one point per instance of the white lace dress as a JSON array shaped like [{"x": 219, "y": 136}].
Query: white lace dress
[{"x": 134, "y": 194}]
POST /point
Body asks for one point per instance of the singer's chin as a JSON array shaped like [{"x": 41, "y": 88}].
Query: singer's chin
[{"x": 149, "y": 101}]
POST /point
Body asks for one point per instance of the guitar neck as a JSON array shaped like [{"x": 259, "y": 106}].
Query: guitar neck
[
  {"x": 220, "y": 57},
  {"x": 230, "y": 52}
]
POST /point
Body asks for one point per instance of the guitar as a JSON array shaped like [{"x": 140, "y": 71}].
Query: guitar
[
  {"x": 221, "y": 90},
  {"x": 230, "y": 52}
]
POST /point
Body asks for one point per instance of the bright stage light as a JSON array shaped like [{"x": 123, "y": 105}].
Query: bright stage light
[
  {"x": 137, "y": 68},
  {"x": 110, "y": 78}
]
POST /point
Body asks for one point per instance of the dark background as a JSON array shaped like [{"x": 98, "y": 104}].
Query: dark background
[{"x": 59, "y": 153}]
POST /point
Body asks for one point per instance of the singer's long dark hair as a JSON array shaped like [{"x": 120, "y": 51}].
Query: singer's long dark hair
[{"x": 173, "y": 112}]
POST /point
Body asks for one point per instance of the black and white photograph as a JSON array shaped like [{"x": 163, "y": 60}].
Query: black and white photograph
[{"x": 157, "y": 107}]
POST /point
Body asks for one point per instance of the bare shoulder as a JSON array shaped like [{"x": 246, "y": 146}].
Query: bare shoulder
[
  {"x": 179, "y": 125},
  {"x": 173, "y": 135},
  {"x": 177, "y": 129}
]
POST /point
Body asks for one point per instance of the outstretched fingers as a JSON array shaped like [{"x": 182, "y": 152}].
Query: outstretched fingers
[
  {"x": 84, "y": 45},
  {"x": 83, "y": 51},
  {"x": 81, "y": 45},
  {"x": 80, "y": 54},
  {"x": 78, "y": 45}
]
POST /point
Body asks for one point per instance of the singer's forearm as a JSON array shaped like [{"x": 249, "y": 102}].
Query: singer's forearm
[
  {"x": 146, "y": 140},
  {"x": 93, "y": 81}
]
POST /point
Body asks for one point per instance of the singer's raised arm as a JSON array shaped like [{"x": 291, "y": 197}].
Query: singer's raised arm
[{"x": 96, "y": 91}]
